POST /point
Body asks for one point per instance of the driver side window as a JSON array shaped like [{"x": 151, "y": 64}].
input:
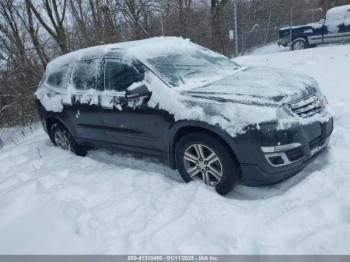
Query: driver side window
[{"x": 119, "y": 75}]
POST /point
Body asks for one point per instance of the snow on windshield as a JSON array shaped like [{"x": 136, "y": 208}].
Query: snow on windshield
[{"x": 196, "y": 65}]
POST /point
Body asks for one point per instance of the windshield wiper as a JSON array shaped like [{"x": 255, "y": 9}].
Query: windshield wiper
[{"x": 191, "y": 73}]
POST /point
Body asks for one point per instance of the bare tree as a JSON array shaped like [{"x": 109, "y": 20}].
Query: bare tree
[
  {"x": 20, "y": 71},
  {"x": 136, "y": 12},
  {"x": 218, "y": 26},
  {"x": 56, "y": 13},
  {"x": 33, "y": 32},
  {"x": 95, "y": 22}
]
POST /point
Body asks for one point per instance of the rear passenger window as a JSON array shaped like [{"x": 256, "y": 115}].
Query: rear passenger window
[
  {"x": 347, "y": 16},
  {"x": 85, "y": 74},
  {"x": 119, "y": 75},
  {"x": 58, "y": 79}
]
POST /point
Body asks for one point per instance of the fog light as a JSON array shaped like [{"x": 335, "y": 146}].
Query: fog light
[{"x": 276, "y": 160}]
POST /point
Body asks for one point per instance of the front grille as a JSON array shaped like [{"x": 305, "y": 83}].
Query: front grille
[
  {"x": 307, "y": 107},
  {"x": 295, "y": 154}
]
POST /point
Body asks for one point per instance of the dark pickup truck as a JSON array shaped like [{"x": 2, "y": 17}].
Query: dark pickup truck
[{"x": 335, "y": 28}]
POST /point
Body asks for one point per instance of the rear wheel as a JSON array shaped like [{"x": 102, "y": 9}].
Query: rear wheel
[
  {"x": 203, "y": 157},
  {"x": 63, "y": 139},
  {"x": 299, "y": 44}
]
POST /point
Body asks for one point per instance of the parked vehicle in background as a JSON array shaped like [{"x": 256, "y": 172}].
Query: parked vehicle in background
[
  {"x": 335, "y": 28},
  {"x": 205, "y": 115}
]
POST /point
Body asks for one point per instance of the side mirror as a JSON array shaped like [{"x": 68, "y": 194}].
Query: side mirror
[{"x": 138, "y": 92}]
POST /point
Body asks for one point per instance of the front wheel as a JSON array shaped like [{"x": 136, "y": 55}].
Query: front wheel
[
  {"x": 63, "y": 139},
  {"x": 203, "y": 157}
]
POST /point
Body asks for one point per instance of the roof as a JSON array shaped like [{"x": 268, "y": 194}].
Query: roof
[
  {"x": 140, "y": 49},
  {"x": 339, "y": 10}
]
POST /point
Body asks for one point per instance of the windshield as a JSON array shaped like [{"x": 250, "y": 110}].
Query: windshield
[{"x": 198, "y": 65}]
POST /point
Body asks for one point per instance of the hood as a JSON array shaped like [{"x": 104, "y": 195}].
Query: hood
[{"x": 257, "y": 85}]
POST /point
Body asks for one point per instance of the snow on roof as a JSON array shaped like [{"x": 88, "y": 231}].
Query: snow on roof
[
  {"x": 339, "y": 13},
  {"x": 339, "y": 10},
  {"x": 337, "y": 16},
  {"x": 141, "y": 49}
]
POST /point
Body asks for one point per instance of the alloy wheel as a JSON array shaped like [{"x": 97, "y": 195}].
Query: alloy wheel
[
  {"x": 61, "y": 140},
  {"x": 202, "y": 162}
]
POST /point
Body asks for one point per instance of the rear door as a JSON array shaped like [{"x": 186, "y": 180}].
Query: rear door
[
  {"x": 83, "y": 106},
  {"x": 344, "y": 29},
  {"x": 130, "y": 123}
]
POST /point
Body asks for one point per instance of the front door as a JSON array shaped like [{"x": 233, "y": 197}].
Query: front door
[{"x": 130, "y": 123}]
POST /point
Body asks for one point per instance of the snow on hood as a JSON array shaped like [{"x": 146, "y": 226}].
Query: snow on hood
[
  {"x": 258, "y": 85},
  {"x": 232, "y": 117},
  {"x": 219, "y": 103}
]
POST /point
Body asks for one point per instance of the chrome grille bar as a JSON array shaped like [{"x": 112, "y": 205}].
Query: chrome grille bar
[{"x": 306, "y": 107}]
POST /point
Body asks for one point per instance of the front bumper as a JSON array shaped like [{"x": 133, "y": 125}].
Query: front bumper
[{"x": 260, "y": 165}]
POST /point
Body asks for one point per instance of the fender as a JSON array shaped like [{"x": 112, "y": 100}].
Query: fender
[{"x": 194, "y": 126}]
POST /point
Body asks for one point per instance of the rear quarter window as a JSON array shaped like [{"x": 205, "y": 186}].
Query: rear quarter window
[{"x": 58, "y": 78}]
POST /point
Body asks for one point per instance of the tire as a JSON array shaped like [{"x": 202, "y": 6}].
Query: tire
[
  {"x": 299, "y": 44},
  {"x": 191, "y": 166},
  {"x": 62, "y": 138}
]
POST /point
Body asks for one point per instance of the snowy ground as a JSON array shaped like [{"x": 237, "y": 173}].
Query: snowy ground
[
  {"x": 54, "y": 202},
  {"x": 268, "y": 49}
]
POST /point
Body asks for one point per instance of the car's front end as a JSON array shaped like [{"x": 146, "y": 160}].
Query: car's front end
[
  {"x": 284, "y": 34},
  {"x": 284, "y": 37},
  {"x": 274, "y": 121},
  {"x": 272, "y": 153},
  {"x": 274, "y": 150}
]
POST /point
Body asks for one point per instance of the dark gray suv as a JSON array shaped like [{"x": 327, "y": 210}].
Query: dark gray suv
[{"x": 206, "y": 116}]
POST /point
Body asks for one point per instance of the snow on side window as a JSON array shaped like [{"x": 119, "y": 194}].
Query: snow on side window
[
  {"x": 52, "y": 88},
  {"x": 336, "y": 17},
  {"x": 347, "y": 14},
  {"x": 58, "y": 79},
  {"x": 85, "y": 74},
  {"x": 347, "y": 18}
]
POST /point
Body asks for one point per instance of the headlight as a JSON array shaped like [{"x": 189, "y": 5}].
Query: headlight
[
  {"x": 283, "y": 112},
  {"x": 322, "y": 100}
]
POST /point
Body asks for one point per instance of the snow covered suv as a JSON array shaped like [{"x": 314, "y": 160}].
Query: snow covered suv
[
  {"x": 207, "y": 116},
  {"x": 334, "y": 29}
]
